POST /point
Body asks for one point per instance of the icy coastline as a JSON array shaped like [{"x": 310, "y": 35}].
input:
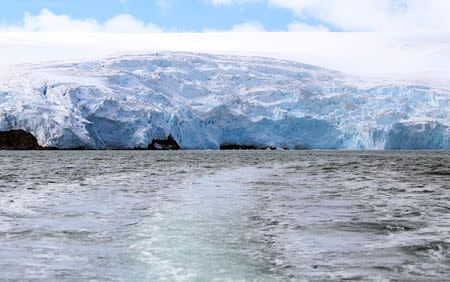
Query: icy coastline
[{"x": 208, "y": 101}]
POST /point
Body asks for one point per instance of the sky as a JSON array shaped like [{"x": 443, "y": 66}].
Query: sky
[
  {"x": 405, "y": 38},
  {"x": 138, "y": 16}
]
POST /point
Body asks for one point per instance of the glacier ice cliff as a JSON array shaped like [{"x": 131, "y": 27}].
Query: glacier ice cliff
[{"x": 205, "y": 101}]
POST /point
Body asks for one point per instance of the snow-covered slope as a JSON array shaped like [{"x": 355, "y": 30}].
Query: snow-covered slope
[{"x": 205, "y": 101}]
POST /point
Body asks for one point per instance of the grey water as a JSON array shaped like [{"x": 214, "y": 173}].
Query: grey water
[{"x": 224, "y": 216}]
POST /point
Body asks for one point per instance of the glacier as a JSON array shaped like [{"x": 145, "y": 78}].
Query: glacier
[{"x": 205, "y": 101}]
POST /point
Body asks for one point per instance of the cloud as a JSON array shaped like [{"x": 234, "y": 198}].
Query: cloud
[
  {"x": 362, "y": 15},
  {"x": 248, "y": 27},
  {"x": 406, "y": 16},
  {"x": 374, "y": 15},
  {"x": 128, "y": 24},
  {"x": 47, "y": 21},
  {"x": 302, "y": 27}
]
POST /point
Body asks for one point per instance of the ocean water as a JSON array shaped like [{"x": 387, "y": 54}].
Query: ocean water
[{"x": 224, "y": 216}]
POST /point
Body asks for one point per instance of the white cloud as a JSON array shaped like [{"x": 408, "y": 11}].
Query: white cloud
[
  {"x": 128, "y": 24},
  {"x": 47, "y": 21},
  {"x": 248, "y": 27},
  {"x": 364, "y": 15},
  {"x": 302, "y": 27},
  {"x": 374, "y": 15},
  {"x": 387, "y": 55}
]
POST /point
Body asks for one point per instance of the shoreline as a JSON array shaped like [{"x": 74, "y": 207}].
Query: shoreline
[{"x": 20, "y": 140}]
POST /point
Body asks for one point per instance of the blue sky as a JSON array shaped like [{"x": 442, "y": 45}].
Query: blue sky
[
  {"x": 224, "y": 15},
  {"x": 170, "y": 15}
]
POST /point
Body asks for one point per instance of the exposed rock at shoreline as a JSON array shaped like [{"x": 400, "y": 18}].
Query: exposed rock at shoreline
[
  {"x": 161, "y": 144},
  {"x": 22, "y": 140},
  {"x": 18, "y": 140}
]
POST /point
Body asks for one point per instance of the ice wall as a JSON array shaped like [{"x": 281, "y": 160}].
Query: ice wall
[{"x": 205, "y": 101}]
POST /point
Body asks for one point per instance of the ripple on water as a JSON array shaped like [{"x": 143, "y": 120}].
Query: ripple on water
[{"x": 314, "y": 215}]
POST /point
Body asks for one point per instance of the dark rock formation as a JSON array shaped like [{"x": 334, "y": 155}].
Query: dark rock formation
[
  {"x": 169, "y": 144},
  {"x": 21, "y": 140},
  {"x": 245, "y": 147},
  {"x": 18, "y": 140}
]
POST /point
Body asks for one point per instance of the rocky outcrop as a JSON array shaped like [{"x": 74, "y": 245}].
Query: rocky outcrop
[
  {"x": 22, "y": 140},
  {"x": 161, "y": 144},
  {"x": 18, "y": 140}
]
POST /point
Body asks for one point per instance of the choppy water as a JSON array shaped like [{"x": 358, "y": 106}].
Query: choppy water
[{"x": 305, "y": 215}]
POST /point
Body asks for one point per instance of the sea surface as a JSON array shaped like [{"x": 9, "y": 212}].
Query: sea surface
[{"x": 224, "y": 215}]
